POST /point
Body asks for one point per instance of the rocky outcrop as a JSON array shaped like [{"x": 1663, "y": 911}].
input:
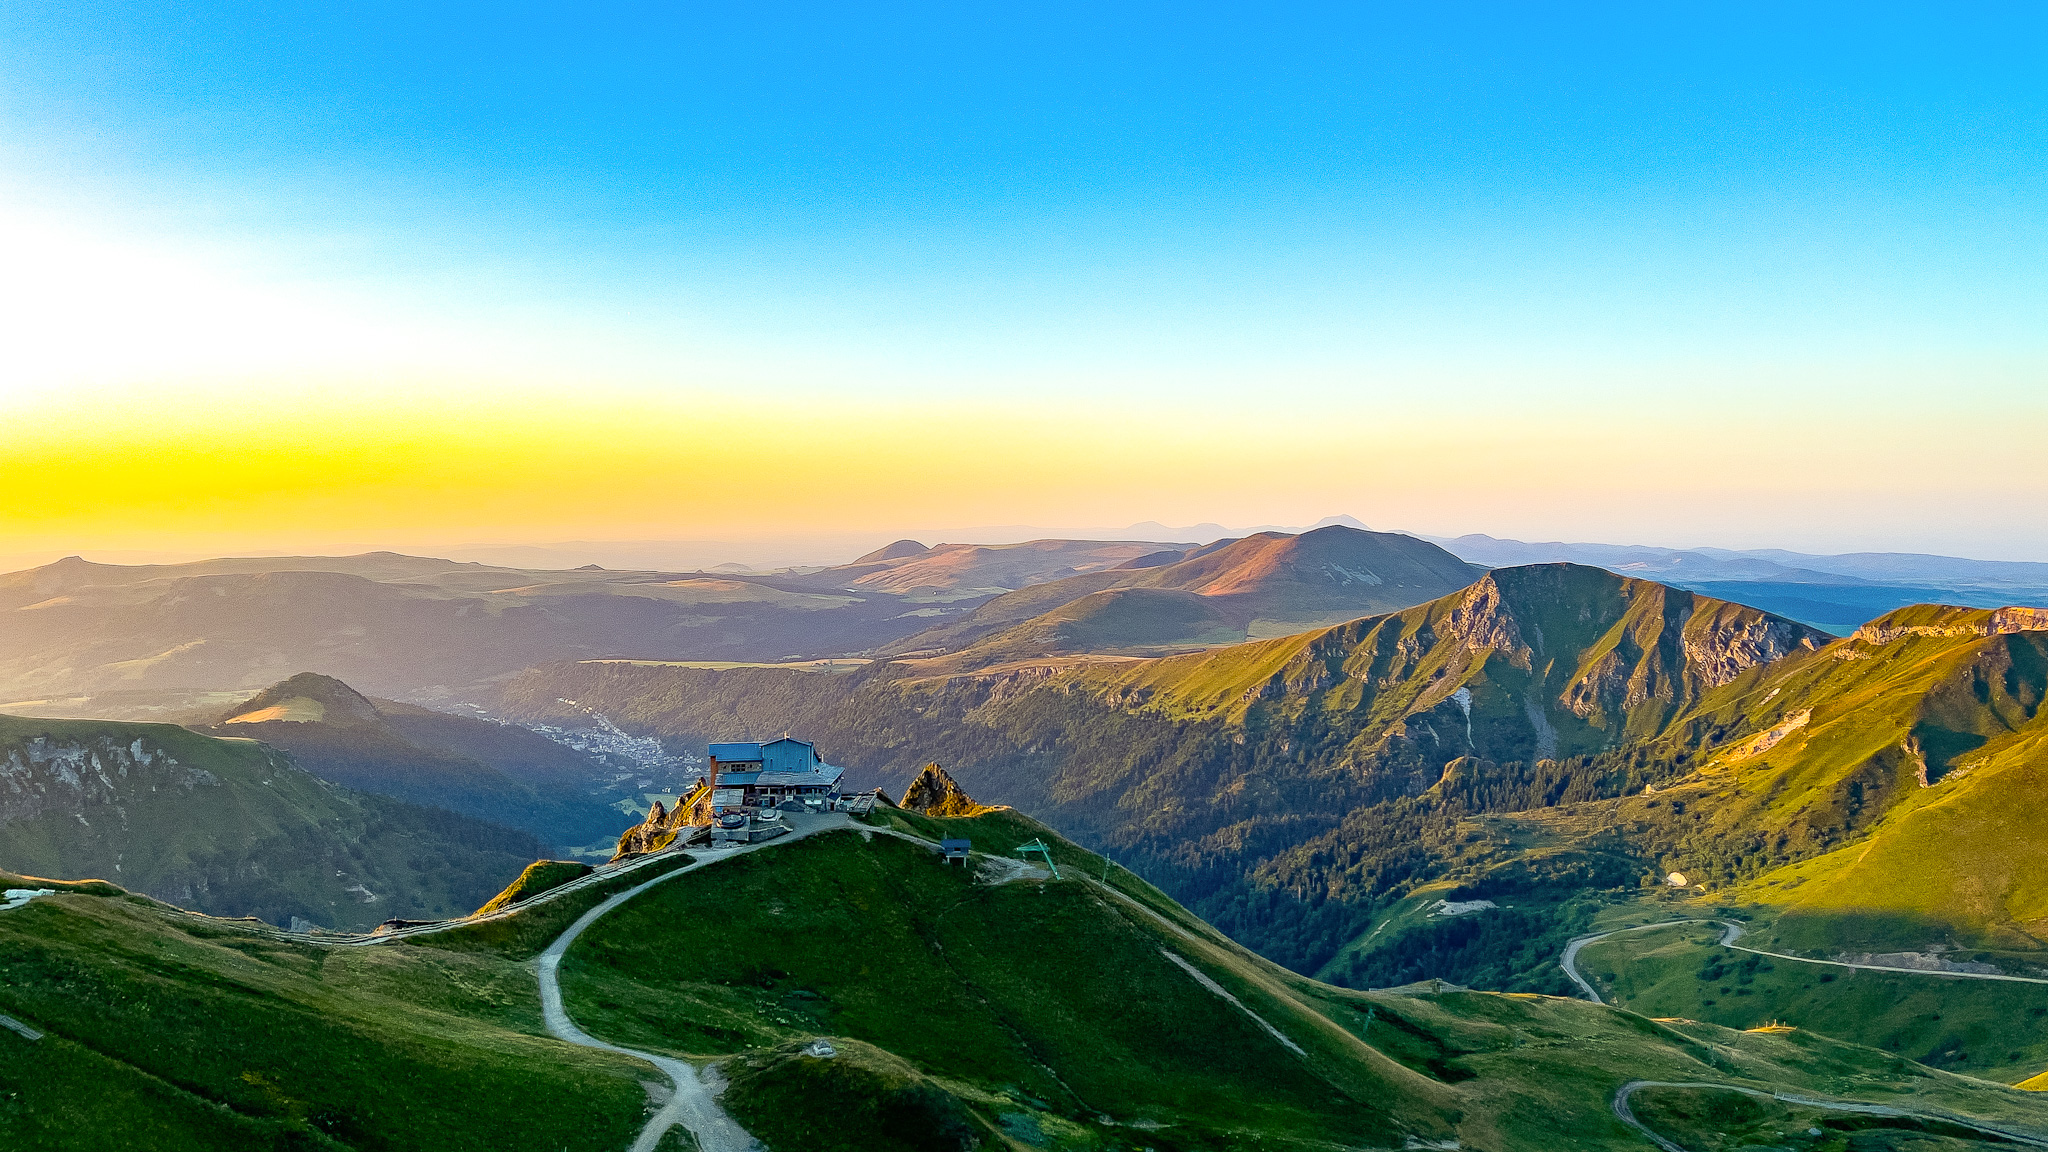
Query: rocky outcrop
[
  {"x": 539, "y": 877},
  {"x": 42, "y": 773},
  {"x": 936, "y": 793},
  {"x": 1482, "y": 620},
  {"x": 1723, "y": 644},
  {"x": 663, "y": 824},
  {"x": 1936, "y": 620}
]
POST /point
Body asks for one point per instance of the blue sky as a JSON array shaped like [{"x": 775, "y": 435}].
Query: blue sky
[{"x": 1397, "y": 212}]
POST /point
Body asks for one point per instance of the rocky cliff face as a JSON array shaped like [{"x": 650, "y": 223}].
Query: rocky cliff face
[
  {"x": 1528, "y": 663},
  {"x": 44, "y": 773},
  {"x": 1943, "y": 620}
]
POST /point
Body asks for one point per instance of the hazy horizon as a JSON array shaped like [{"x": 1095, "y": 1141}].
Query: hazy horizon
[{"x": 769, "y": 550}]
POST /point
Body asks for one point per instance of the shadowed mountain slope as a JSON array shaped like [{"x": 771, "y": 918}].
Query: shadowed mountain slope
[
  {"x": 233, "y": 827},
  {"x": 419, "y": 756}
]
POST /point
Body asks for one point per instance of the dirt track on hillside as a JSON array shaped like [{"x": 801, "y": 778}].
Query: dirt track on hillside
[{"x": 1731, "y": 932}]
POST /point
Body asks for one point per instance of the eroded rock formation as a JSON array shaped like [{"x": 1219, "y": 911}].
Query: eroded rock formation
[
  {"x": 936, "y": 793},
  {"x": 663, "y": 824}
]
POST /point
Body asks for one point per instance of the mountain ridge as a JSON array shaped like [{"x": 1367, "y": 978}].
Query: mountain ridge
[{"x": 1266, "y": 581}]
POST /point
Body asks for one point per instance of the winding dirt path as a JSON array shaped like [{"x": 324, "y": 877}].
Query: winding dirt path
[
  {"x": 1627, "y": 1116},
  {"x": 1731, "y": 932},
  {"x": 694, "y": 1102}
]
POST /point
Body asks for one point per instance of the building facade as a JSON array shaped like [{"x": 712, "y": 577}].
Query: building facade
[{"x": 755, "y": 776}]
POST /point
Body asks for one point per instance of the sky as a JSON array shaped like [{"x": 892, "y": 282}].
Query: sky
[{"x": 333, "y": 277}]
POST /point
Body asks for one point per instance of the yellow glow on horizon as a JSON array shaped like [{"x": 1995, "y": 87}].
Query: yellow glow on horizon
[{"x": 276, "y": 464}]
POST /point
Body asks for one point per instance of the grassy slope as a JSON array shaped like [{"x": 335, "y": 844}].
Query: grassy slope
[
  {"x": 233, "y": 828},
  {"x": 1022, "y": 992},
  {"x": 1831, "y": 821},
  {"x": 1044, "y": 1007},
  {"x": 166, "y": 1032},
  {"x": 1031, "y": 1014},
  {"x": 1992, "y": 1029}
]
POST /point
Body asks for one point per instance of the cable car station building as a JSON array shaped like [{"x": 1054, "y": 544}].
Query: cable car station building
[{"x": 771, "y": 775}]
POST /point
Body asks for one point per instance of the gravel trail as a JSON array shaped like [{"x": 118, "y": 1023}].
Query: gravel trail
[
  {"x": 1731, "y": 932},
  {"x": 1627, "y": 1116}
]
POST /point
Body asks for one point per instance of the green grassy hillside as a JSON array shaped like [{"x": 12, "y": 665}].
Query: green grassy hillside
[
  {"x": 1073, "y": 1013},
  {"x": 1994, "y": 1029},
  {"x": 233, "y": 827},
  {"x": 1869, "y": 789},
  {"x": 1085, "y": 1013},
  {"x": 170, "y": 1033}
]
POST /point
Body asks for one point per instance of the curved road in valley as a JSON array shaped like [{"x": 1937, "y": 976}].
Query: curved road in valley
[
  {"x": 1731, "y": 932},
  {"x": 1627, "y": 1116}
]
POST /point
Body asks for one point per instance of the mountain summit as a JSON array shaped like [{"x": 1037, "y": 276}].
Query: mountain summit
[
  {"x": 1260, "y": 585},
  {"x": 429, "y": 758},
  {"x": 307, "y": 698}
]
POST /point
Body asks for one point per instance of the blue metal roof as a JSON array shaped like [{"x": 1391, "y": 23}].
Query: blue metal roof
[
  {"x": 824, "y": 775},
  {"x": 735, "y": 753}
]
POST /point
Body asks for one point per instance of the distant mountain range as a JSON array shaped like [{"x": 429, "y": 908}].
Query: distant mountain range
[
  {"x": 157, "y": 640},
  {"x": 1771, "y": 564},
  {"x": 1834, "y": 593},
  {"x": 1267, "y": 584},
  {"x": 160, "y": 641}
]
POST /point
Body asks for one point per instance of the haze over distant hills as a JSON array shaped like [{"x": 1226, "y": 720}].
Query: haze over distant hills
[
  {"x": 1262, "y": 585},
  {"x": 154, "y": 640},
  {"x": 1835, "y": 593},
  {"x": 167, "y": 637}
]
